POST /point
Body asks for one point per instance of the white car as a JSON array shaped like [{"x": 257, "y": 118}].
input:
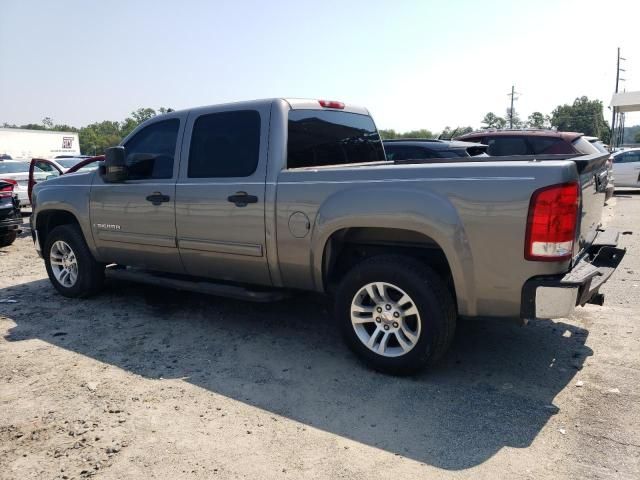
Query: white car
[
  {"x": 65, "y": 163},
  {"x": 18, "y": 170},
  {"x": 626, "y": 167}
]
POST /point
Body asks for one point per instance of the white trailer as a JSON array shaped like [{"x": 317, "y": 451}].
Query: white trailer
[{"x": 27, "y": 144}]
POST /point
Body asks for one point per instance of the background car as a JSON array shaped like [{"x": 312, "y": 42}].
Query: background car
[
  {"x": 18, "y": 170},
  {"x": 626, "y": 167},
  {"x": 531, "y": 142},
  {"x": 416, "y": 149},
  {"x": 64, "y": 163}
]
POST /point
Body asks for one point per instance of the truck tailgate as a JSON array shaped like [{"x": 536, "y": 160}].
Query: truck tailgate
[{"x": 592, "y": 170}]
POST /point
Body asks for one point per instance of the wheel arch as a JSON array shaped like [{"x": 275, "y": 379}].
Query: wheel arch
[{"x": 414, "y": 222}]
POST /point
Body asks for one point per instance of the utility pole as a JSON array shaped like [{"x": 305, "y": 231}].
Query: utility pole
[
  {"x": 513, "y": 97},
  {"x": 614, "y": 138}
]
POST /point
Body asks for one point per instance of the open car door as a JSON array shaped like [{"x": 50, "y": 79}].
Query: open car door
[{"x": 49, "y": 166}]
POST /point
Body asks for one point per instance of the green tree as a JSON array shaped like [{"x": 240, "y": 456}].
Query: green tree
[
  {"x": 48, "y": 123},
  {"x": 391, "y": 134},
  {"x": 491, "y": 120},
  {"x": 513, "y": 122},
  {"x": 636, "y": 139},
  {"x": 142, "y": 114},
  {"x": 388, "y": 134},
  {"x": 538, "y": 120},
  {"x": 584, "y": 116}
]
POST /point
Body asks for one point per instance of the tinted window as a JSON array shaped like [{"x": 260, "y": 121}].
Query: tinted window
[
  {"x": 583, "y": 146},
  {"x": 225, "y": 144},
  {"x": 318, "y": 137},
  {"x": 502, "y": 146},
  {"x": 549, "y": 146},
  {"x": 627, "y": 157},
  {"x": 405, "y": 152},
  {"x": 150, "y": 152},
  {"x": 599, "y": 146}
]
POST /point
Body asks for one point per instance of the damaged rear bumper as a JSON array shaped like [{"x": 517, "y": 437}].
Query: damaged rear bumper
[{"x": 556, "y": 296}]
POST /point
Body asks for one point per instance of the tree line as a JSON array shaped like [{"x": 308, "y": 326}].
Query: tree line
[
  {"x": 584, "y": 116},
  {"x": 96, "y": 137}
]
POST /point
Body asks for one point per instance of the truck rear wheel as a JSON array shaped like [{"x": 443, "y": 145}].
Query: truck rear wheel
[
  {"x": 70, "y": 265},
  {"x": 395, "y": 313}
]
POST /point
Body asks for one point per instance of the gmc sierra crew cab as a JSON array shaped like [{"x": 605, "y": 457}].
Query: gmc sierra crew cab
[{"x": 257, "y": 199}]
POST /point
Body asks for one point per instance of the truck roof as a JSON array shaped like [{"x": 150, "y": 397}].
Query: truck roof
[{"x": 294, "y": 104}]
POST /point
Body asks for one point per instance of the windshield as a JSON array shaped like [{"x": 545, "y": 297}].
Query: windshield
[{"x": 14, "y": 167}]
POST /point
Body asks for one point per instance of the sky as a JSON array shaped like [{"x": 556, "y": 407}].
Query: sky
[{"x": 413, "y": 64}]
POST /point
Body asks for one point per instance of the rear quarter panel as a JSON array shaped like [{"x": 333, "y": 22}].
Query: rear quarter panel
[{"x": 476, "y": 213}]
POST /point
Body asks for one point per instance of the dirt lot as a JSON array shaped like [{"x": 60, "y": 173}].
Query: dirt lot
[{"x": 147, "y": 383}]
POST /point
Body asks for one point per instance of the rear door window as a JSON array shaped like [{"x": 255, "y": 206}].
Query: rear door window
[
  {"x": 225, "y": 144},
  {"x": 318, "y": 137}
]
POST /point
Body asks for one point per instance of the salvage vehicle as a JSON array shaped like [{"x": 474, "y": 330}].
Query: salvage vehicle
[
  {"x": 260, "y": 199},
  {"x": 10, "y": 216}
]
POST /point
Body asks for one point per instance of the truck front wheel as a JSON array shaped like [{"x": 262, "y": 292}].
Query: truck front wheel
[
  {"x": 395, "y": 313},
  {"x": 70, "y": 265}
]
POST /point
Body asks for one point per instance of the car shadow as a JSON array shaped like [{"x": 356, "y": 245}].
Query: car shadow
[{"x": 494, "y": 389}]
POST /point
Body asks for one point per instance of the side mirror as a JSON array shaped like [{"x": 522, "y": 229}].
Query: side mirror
[{"x": 114, "y": 168}]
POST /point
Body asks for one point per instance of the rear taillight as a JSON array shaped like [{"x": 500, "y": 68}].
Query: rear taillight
[
  {"x": 7, "y": 190},
  {"x": 331, "y": 104},
  {"x": 552, "y": 221}
]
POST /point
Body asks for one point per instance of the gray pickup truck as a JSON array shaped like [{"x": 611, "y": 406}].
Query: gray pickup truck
[{"x": 256, "y": 199}]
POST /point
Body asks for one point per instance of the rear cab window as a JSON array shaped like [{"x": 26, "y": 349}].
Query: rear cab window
[{"x": 319, "y": 138}]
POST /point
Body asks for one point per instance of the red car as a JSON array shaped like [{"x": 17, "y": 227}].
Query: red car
[{"x": 531, "y": 142}]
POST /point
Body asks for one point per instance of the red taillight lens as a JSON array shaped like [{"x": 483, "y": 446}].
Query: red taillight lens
[
  {"x": 7, "y": 190},
  {"x": 552, "y": 221},
  {"x": 331, "y": 104}
]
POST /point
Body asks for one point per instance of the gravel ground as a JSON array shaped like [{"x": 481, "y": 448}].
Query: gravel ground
[{"x": 141, "y": 382}]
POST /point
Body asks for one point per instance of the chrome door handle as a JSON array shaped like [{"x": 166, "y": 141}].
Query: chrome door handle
[
  {"x": 157, "y": 198},
  {"x": 241, "y": 199}
]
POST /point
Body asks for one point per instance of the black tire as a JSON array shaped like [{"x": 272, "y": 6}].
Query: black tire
[
  {"x": 8, "y": 238},
  {"x": 90, "y": 273},
  {"x": 429, "y": 294}
]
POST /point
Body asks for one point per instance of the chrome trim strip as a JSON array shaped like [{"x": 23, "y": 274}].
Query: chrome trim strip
[
  {"x": 137, "y": 238},
  {"x": 246, "y": 249}
]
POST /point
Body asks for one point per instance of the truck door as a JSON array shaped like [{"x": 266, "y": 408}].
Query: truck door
[
  {"x": 133, "y": 222},
  {"x": 220, "y": 194}
]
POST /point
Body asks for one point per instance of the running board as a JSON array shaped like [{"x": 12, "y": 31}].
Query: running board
[{"x": 194, "y": 285}]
